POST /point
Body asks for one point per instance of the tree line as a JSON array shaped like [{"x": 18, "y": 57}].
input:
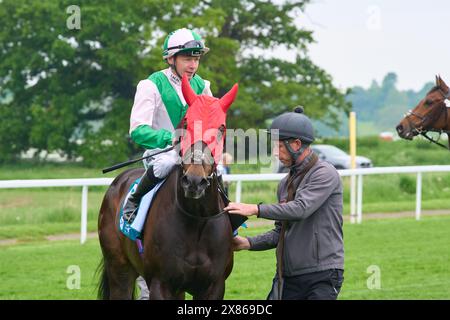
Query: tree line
[
  {"x": 380, "y": 107},
  {"x": 71, "y": 89}
]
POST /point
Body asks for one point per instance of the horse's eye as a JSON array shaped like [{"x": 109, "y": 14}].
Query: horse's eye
[{"x": 428, "y": 102}]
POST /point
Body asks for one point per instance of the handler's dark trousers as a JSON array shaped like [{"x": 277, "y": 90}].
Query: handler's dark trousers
[{"x": 322, "y": 285}]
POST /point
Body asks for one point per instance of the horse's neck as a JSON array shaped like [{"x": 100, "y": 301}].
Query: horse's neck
[
  {"x": 447, "y": 125},
  {"x": 207, "y": 205}
]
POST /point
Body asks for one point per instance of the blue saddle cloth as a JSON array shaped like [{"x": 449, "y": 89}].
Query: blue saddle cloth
[{"x": 134, "y": 230}]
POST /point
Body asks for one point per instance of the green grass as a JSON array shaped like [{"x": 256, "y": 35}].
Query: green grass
[
  {"x": 413, "y": 258},
  {"x": 34, "y": 213},
  {"x": 27, "y": 170},
  {"x": 412, "y": 255},
  {"x": 39, "y": 270}
]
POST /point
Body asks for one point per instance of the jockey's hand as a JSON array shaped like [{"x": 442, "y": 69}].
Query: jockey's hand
[
  {"x": 176, "y": 144},
  {"x": 240, "y": 243},
  {"x": 175, "y": 141},
  {"x": 163, "y": 163},
  {"x": 242, "y": 209}
]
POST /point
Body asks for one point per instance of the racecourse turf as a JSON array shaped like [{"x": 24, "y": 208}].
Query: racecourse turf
[{"x": 384, "y": 259}]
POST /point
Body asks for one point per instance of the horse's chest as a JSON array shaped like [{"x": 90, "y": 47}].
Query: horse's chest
[
  {"x": 189, "y": 261},
  {"x": 191, "y": 255},
  {"x": 195, "y": 262}
]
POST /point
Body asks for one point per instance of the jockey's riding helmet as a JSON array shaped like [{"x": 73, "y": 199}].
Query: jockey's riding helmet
[{"x": 184, "y": 41}]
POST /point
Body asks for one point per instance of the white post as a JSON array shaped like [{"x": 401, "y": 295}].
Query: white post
[
  {"x": 359, "y": 199},
  {"x": 84, "y": 201},
  {"x": 352, "y": 199},
  {"x": 238, "y": 191},
  {"x": 418, "y": 195}
]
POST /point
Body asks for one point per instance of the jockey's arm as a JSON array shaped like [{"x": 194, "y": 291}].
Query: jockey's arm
[
  {"x": 149, "y": 138},
  {"x": 141, "y": 121},
  {"x": 142, "y": 131}
]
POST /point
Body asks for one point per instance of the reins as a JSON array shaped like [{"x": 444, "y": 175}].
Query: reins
[{"x": 424, "y": 134}]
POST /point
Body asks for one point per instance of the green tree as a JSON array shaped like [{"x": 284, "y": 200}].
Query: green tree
[
  {"x": 72, "y": 88},
  {"x": 72, "y": 83},
  {"x": 380, "y": 107},
  {"x": 270, "y": 85}
]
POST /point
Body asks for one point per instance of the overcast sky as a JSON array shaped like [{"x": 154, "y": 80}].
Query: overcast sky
[{"x": 361, "y": 40}]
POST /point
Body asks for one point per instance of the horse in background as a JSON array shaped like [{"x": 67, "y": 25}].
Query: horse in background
[
  {"x": 187, "y": 237},
  {"x": 430, "y": 115}
]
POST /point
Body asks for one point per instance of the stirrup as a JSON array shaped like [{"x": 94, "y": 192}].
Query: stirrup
[{"x": 130, "y": 218}]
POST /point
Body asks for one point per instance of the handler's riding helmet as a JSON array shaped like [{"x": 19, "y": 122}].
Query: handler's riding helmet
[
  {"x": 294, "y": 125},
  {"x": 184, "y": 41}
]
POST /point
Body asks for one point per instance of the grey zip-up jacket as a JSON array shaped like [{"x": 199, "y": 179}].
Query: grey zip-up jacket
[{"x": 313, "y": 237}]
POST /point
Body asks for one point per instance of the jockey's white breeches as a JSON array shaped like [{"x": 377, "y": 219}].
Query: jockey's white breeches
[{"x": 162, "y": 163}]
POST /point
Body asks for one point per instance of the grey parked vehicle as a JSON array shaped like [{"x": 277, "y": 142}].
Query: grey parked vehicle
[{"x": 338, "y": 158}]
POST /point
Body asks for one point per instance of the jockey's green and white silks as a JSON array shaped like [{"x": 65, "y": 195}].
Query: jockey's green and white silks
[
  {"x": 175, "y": 108},
  {"x": 159, "y": 106}
]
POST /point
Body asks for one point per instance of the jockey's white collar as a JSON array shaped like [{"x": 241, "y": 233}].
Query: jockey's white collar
[{"x": 174, "y": 78}]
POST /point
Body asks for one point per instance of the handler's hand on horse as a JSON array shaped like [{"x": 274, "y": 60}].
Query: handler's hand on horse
[
  {"x": 240, "y": 243},
  {"x": 242, "y": 209}
]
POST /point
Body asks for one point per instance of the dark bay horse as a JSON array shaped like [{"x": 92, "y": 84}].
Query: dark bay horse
[
  {"x": 430, "y": 115},
  {"x": 187, "y": 237}
]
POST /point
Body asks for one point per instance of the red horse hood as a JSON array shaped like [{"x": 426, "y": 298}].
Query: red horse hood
[{"x": 204, "y": 117}]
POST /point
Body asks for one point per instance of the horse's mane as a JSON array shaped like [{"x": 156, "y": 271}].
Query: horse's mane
[{"x": 435, "y": 88}]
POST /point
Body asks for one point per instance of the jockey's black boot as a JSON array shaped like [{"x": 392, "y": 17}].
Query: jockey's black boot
[{"x": 148, "y": 182}]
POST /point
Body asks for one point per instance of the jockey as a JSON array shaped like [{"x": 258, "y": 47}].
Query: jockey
[{"x": 159, "y": 106}]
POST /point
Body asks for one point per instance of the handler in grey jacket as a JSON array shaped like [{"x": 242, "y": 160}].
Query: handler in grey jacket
[{"x": 309, "y": 215}]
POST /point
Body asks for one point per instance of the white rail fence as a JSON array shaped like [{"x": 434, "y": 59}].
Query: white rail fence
[{"x": 356, "y": 194}]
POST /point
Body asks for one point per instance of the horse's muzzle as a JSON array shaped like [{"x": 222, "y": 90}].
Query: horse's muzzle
[
  {"x": 404, "y": 133},
  {"x": 194, "y": 186}
]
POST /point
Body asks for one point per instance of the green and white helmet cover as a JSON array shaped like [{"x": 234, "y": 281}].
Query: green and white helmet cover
[{"x": 184, "y": 40}]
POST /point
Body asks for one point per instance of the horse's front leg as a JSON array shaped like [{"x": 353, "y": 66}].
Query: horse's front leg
[
  {"x": 215, "y": 291},
  {"x": 161, "y": 291}
]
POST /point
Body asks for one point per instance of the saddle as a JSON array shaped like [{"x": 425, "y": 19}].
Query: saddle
[{"x": 134, "y": 229}]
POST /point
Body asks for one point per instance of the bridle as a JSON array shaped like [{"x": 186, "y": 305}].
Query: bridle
[
  {"x": 430, "y": 119},
  {"x": 197, "y": 217},
  {"x": 198, "y": 157}
]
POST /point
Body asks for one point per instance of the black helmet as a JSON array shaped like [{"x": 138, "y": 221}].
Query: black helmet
[{"x": 294, "y": 125}]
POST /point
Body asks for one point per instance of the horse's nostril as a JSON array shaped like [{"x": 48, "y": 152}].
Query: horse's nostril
[
  {"x": 399, "y": 128},
  {"x": 204, "y": 183},
  {"x": 184, "y": 182}
]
